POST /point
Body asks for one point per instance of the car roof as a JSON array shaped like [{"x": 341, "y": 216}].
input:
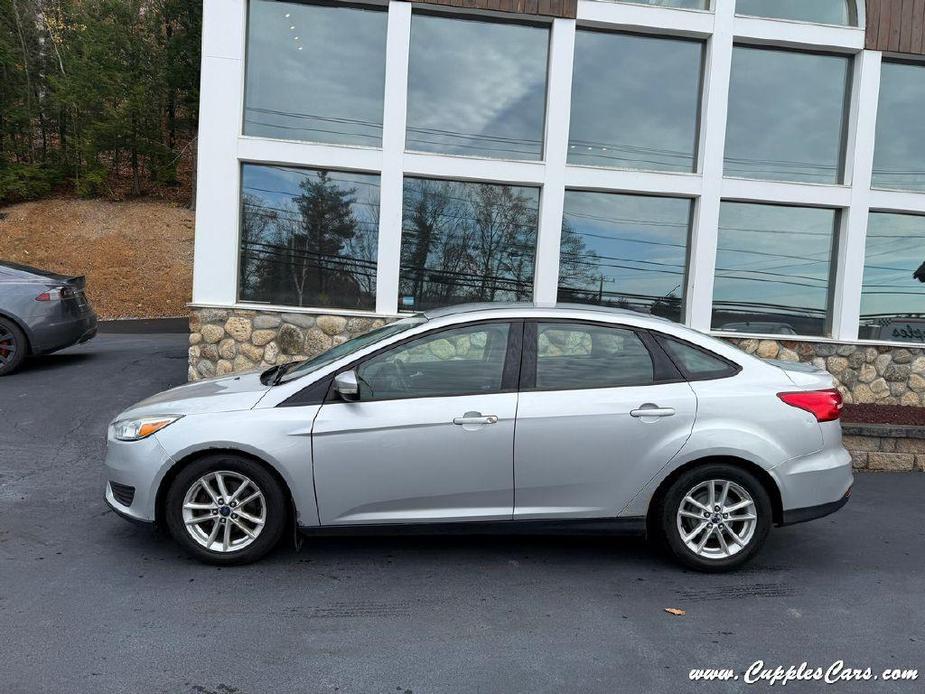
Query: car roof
[{"x": 562, "y": 310}]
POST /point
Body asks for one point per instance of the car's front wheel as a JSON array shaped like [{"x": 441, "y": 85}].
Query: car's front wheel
[
  {"x": 226, "y": 509},
  {"x": 12, "y": 346},
  {"x": 715, "y": 517}
]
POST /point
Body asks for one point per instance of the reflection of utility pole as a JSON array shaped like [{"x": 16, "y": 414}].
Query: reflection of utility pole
[{"x": 600, "y": 291}]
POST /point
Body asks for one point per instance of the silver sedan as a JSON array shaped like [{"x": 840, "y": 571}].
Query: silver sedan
[{"x": 491, "y": 418}]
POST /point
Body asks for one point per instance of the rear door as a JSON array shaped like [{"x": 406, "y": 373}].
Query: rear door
[{"x": 601, "y": 410}]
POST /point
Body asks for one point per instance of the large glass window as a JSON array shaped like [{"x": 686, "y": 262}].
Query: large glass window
[
  {"x": 773, "y": 268},
  {"x": 308, "y": 238},
  {"x": 821, "y": 11},
  {"x": 899, "y": 156},
  {"x": 465, "y": 242},
  {"x": 893, "y": 294},
  {"x": 315, "y": 72},
  {"x": 627, "y": 251},
  {"x": 578, "y": 355},
  {"x": 786, "y": 115},
  {"x": 477, "y": 88},
  {"x": 635, "y": 101},
  {"x": 462, "y": 361}
]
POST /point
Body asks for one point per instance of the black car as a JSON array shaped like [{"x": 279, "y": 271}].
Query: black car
[{"x": 40, "y": 312}]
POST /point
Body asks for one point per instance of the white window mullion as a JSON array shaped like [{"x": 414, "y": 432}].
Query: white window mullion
[
  {"x": 849, "y": 275},
  {"x": 552, "y": 197},
  {"x": 699, "y": 295},
  {"x": 215, "y": 258},
  {"x": 395, "y": 109}
]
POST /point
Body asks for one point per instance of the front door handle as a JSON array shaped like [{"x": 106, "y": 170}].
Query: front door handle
[
  {"x": 649, "y": 410},
  {"x": 475, "y": 418}
]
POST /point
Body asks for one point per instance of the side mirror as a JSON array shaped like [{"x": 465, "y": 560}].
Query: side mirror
[{"x": 347, "y": 386}]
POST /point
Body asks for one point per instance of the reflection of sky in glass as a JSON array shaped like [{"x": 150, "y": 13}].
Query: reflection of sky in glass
[
  {"x": 822, "y": 11},
  {"x": 899, "y": 156},
  {"x": 685, "y": 4},
  {"x": 635, "y": 101},
  {"x": 315, "y": 73},
  {"x": 773, "y": 268},
  {"x": 624, "y": 250},
  {"x": 278, "y": 260},
  {"x": 476, "y": 88},
  {"x": 785, "y": 115},
  {"x": 895, "y": 249}
]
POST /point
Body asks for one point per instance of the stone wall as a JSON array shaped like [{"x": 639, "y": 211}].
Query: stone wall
[
  {"x": 864, "y": 374},
  {"x": 885, "y": 447},
  {"x": 224, "y": 341}
]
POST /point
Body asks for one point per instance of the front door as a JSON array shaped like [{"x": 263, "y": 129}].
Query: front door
[
  {"x": 598, "y": 417},
  {"x": 431, "y": 438}
]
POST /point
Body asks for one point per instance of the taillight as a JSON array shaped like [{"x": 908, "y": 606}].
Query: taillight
[
  {"x": 56, "y": 294},
  {"x": 824, "y": 405}
]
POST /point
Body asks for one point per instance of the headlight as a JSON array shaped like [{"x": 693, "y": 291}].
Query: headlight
[{"x": 142, "y": 428}]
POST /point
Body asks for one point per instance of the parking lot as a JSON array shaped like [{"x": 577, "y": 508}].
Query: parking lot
[{"x": 90, "y": 603}]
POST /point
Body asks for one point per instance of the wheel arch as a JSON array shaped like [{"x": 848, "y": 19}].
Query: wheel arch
[
  {"x": 160, "y": 498},
  {"x": 22, "y": 326},
  {"x": 763, "y": 476}
]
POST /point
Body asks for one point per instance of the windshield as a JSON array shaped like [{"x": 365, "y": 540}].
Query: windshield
[{"x": 354, "y": 345}]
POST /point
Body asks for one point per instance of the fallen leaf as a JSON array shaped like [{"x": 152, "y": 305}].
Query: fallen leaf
[{"x": 675, "y": 611}]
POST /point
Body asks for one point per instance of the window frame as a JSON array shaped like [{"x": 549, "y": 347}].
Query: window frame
[
  {"x": 663, "y": 369},
  {"x": 510, "y": 374}
]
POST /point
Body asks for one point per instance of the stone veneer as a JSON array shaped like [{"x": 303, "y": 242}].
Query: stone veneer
[
  {"x": 864, "y": 374},
  {"x": 224, "y": 341},
  {"x": 885, "y": 447}
]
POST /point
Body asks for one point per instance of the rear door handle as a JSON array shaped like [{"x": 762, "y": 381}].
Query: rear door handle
[
  {"x": 652, "y": 411},
  {"x": 475, "y": 418}
]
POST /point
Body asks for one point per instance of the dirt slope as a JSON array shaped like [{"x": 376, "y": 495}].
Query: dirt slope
[{"x": 137, "y": 256}]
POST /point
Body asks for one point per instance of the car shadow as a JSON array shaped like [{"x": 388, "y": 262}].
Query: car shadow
[{"x": 51, "y": 362}]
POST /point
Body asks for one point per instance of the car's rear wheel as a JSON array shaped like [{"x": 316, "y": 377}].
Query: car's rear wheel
[
  {"x": 715, "y": 517},
  {"x": 12, "y": 346},
  {"x": 226, "y": 509}
]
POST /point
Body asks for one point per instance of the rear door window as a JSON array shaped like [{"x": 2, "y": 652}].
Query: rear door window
[{"x": 579, "y": 355}]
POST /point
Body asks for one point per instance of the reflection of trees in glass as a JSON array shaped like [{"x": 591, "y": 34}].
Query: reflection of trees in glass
[
  {"x": 314, "y": 249},
  {"x": 467, "y": 242}
]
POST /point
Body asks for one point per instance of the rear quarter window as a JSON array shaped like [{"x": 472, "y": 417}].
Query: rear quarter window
[{"x": 696, "y": 363}]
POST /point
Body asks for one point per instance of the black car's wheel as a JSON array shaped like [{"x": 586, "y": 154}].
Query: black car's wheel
[
  {"x": 226, "y": 509},
  {"x": 715, "y": 517},
  {"x": 12, "y": 346}
]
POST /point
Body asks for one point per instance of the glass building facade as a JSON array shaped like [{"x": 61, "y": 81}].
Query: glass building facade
[{"x": 743, "y": 166}]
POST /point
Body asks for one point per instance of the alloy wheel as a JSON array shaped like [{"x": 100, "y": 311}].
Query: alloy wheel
[
  {"x": 224, "y": 511},
  {"x": 8, "y": 346},
  {"x": 717, "y": 519}
]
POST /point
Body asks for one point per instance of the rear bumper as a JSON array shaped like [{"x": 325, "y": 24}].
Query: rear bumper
[
  {"x": 814, "y": 485},
  {"x": 51, "y": 336},
  {"x": 801, "y": 515}
]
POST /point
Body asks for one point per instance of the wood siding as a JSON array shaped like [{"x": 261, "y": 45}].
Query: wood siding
[
  {"x": 896, "y": 26},
  {"x": 566, "y": 9}
]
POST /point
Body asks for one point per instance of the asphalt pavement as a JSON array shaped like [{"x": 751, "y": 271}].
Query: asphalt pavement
[{"x": 90, "y": 603}]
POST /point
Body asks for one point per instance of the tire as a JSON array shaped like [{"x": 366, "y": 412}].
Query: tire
[
  {"x": 733, "y": 538},
  {"x": 205, "y": 537},
  {"x": 13, "y": 346}
]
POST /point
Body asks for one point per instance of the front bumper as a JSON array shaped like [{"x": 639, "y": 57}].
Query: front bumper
[{"x": 141, "y": 465}]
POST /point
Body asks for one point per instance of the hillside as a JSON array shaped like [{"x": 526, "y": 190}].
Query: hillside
[{"x": 137, "y": 256}]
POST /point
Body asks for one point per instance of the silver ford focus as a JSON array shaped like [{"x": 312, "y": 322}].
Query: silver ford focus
[{"x": 491, "y": 418}]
